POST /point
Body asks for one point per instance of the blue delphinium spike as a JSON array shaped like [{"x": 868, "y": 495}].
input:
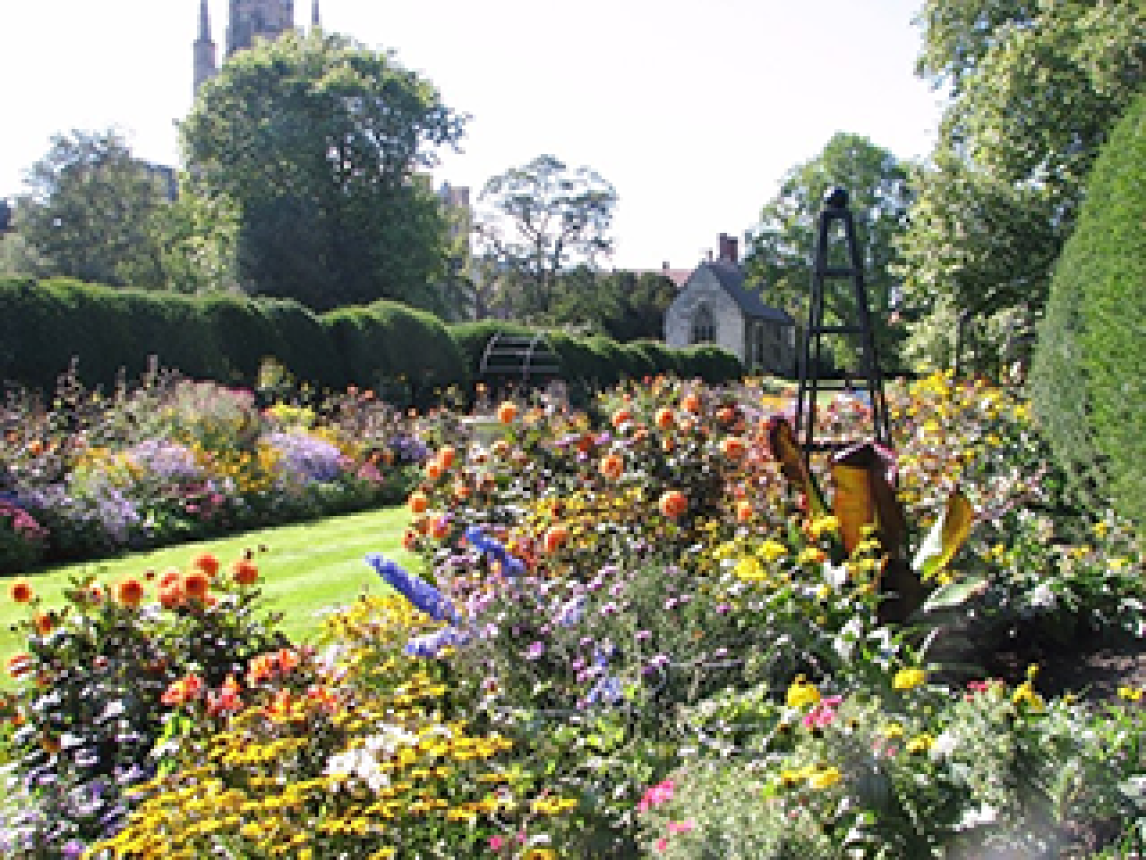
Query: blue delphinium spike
[
  {"x": 510, "y": 566},
  {"x": 420, "y": 593}
]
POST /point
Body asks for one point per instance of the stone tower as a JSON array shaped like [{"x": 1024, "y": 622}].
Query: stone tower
[
  {"x": 249, "y": 21},
  {"x": 257, "y": 19},
  {"x": 205, "y": 66}
]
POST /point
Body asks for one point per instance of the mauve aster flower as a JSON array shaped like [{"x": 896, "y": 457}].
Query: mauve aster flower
[{"x": 431, "y": 645}]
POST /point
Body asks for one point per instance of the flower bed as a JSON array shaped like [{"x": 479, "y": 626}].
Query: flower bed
[
  {"x": 172, "y": 460},
  {"x": 649, "y": 633}
]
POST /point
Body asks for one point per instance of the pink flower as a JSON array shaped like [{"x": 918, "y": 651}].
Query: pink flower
[
  {"x": 661, "y": 845},
  {"x": 496, "y": 843},
  {"x": 681, "y": 826},
  {"x": 655, "y": 795},
  {"x": 823, "y": 713}
]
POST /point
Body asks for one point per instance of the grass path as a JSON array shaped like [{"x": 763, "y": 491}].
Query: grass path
[{"x": 307, "y": 568}]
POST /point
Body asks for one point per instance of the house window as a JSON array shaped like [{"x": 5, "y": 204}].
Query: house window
[
  {"x": 703, "y": 325},
  {"x": 758, "y": 345}
]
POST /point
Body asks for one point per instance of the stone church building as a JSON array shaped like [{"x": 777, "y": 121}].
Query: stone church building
[
  {"x": 248, "y": 20},
  {"x": 714, "y": 306}
]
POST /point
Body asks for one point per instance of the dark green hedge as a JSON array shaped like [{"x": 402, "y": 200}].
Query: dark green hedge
[
  {"x": 402, "y": 352},
  {"x": 1088, "y": 378}
]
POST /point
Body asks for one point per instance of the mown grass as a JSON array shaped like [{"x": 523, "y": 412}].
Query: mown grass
[{"x": 308, "y": 569}]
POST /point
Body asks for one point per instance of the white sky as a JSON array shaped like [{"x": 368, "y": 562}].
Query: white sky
[{"x": 693, "y": 109}]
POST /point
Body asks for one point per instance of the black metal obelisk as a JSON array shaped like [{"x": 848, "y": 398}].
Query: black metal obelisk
[{"x": 869, "y": 377}]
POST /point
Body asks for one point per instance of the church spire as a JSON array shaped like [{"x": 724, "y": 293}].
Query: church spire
[
  {"x": 204, "y": 49},
  {"x": 204, "y": 22},
  {"x": 315, "y": 21}
]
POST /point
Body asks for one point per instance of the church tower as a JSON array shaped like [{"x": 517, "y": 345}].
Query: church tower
[
  {"x": 258, "y": 19},
  {"x": 205, "y": 67}
]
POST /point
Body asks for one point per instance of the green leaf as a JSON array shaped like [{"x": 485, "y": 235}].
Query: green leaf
[
  {"x": 946, "y": 536},
  {"x": 954, "y": 594}
]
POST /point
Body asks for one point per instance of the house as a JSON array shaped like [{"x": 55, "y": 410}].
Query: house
[{"x": 715, "y": 306}]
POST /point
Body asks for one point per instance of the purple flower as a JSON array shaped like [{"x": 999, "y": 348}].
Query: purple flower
[
  {"x": 642, "y": 635},
  {"x": 571, "y": 611},
  {"x": 671, "y": 603},
  {"x": 723, "y": 608},
  {"x": 304, "y": 459},
  {"x": 536, "y": 649},
  {"x": 431, "y": 645},
  {"x": 609, "y": 609},
  {"x": 606, "y": 690},
  {"x": 420, "y": 593}
]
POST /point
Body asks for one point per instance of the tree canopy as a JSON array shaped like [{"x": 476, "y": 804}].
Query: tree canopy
[
  {"x": 1036, "y": 88},
  {"x": 780, "y": 254},
  {"x": 540, "y": 219},
  {"x": 318, "y": 142},
  {"x": 91, "y": 210}
]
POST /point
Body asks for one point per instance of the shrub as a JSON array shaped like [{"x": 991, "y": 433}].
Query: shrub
[{"x": 1087, "y": 379}]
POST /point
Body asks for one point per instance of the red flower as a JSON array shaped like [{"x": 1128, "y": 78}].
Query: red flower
[
  {"x": 673, "y": 504},
  {"x": 21, "y": 591},
  {"x": 245, "y": 572},
  {"x": 129, "y": 592},
  {"x": 207, "y": 563},
  {"x": 195, "y": 585}
]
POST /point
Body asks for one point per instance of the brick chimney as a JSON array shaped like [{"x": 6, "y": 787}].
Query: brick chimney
[{"x": 729, "y": 249}]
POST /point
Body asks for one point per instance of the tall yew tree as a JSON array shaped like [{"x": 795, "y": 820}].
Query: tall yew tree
[{"x": 318, "y": 142}]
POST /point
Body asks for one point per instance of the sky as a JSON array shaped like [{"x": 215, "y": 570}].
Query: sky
[{"x": 693, "y": 109}]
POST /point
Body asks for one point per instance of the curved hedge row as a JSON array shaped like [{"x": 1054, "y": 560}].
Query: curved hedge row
[
  {"x": 388, "y": 346},
  {"x": 1087, "y": 377}
]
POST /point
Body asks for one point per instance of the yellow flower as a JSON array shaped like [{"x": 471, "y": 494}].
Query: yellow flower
[
  {"x": 825, "y": 778},
  {"x": 823, "y": 524},
  {"x": 908, "y": 679},
  {"x": 920, "y": 744},
  {"x": 892, "y": 731},
  {"x": 801, "y": 693},
  {"x": 771, "y": 550},
  {"x": 1025, "y": 695},
  {"x": 749, "y": 569},
  {"x": 812, "y": 555},
  {"x": 1130, "y": 694}
]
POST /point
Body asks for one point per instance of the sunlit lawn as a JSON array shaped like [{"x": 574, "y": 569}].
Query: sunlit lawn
[{"x": 308, "y": 568}]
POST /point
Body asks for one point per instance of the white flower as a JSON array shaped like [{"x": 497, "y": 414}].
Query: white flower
[
  {"x": 944, "y": 745},
  {"x": 835, "y": 574},
  {"x": 845, "y": 641}
]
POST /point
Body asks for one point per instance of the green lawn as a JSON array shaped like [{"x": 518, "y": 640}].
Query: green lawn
[{"x": 307, "y": 568}]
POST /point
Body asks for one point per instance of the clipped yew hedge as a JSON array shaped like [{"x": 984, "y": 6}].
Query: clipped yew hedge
[
  {"x": 1088, "y": 378},
  {"x": 406, "y": 354}
]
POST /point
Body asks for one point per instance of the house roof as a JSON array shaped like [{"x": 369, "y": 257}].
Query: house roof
[
  {"x": 731, "y": 278},
  {"x": 678, "y": 276}
]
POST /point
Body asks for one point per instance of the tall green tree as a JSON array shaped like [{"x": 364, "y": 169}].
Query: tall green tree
[
  {"x": 1036, "y": 87},
  {"x": 539, "y": 220},
  {"x": 318, "y": 143},
  {"x": 780, "y": 253},
  {"x": 91, "y": 210},
  {"x": 623, "y": 305}
]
